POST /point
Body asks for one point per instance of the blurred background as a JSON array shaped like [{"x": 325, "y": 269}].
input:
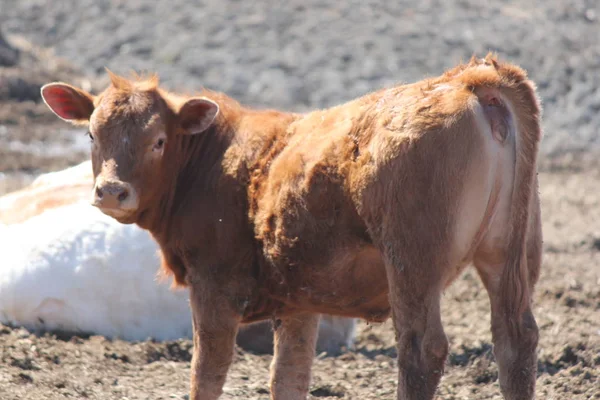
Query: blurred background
[{"x": 301, "y": 55}]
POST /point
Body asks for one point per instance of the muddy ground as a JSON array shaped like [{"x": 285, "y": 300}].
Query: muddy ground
[{"x": 315, "y": 54}]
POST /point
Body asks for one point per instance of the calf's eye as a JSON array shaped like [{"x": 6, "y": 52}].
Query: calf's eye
[
  {"x": 89, "y": 134},
  {"x": 159, "y": 144}
]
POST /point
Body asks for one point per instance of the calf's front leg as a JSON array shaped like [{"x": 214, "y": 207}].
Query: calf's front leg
[
  {"x": 215, "y": 325},
  {"x": 295, "y": 340}
]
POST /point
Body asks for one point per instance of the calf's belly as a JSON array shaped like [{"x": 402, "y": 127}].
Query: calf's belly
[{"x": 352, "y": 283}]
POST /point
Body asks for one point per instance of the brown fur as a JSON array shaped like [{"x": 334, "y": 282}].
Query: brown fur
[{"x": 365, "y": 209}]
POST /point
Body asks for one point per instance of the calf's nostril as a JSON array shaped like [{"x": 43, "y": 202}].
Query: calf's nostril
[
  {"x": 99, "y": 193},
  {"x": 123, "y": 195}
]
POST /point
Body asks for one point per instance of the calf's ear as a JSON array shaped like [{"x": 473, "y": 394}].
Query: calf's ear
[
  {"x": 197, "y": 114},
  {"x": 68, "y": 103}
]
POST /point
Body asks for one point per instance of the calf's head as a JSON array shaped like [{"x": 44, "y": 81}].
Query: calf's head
[{"x": 133, "y": 126}]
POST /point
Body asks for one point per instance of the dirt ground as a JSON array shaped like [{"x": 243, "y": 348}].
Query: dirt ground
[
  {"x": 567, "y": 299},
  {"x": 567, "y": 307}
]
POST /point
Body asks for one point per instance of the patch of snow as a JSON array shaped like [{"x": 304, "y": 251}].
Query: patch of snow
[
  {"x": 82, "y": 170},
  {"x": 73, "y": 268}
]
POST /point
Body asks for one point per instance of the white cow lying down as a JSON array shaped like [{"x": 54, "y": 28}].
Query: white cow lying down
[{"x": 66, "y": 266}]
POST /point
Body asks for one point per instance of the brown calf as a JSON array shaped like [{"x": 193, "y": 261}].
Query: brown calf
[{"x": 367, "y": 208}]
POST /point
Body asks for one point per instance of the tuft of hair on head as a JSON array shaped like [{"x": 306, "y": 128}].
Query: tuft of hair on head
[
  {"x": 148, "y": 81},
  {"x": 473, "y": 60},
  {"x": 491, "y": 58},
  {"x": 145, "y": 80},
  {"x": 118, "y": 82}
]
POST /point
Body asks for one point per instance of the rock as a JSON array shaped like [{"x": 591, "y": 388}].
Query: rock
[{"x": 9, "y": 56}]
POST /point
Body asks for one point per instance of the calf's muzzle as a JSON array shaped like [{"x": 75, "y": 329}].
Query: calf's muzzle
[{"x": 114, "y": 197}]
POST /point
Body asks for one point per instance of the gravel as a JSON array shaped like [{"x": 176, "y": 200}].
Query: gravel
[{"x": 300, "y": 55}]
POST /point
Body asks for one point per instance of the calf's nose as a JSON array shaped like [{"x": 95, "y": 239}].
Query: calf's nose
[{"x": 112, "y": 194}]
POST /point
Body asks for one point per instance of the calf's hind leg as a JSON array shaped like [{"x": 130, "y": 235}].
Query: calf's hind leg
[
  {"x": 422, "y": 344},
  {"x": 514, "y": 329},
  {"x": 514, "y": 342},
  {"x": 295, "y": 339},
  {"x": 419, "y": 255}
]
